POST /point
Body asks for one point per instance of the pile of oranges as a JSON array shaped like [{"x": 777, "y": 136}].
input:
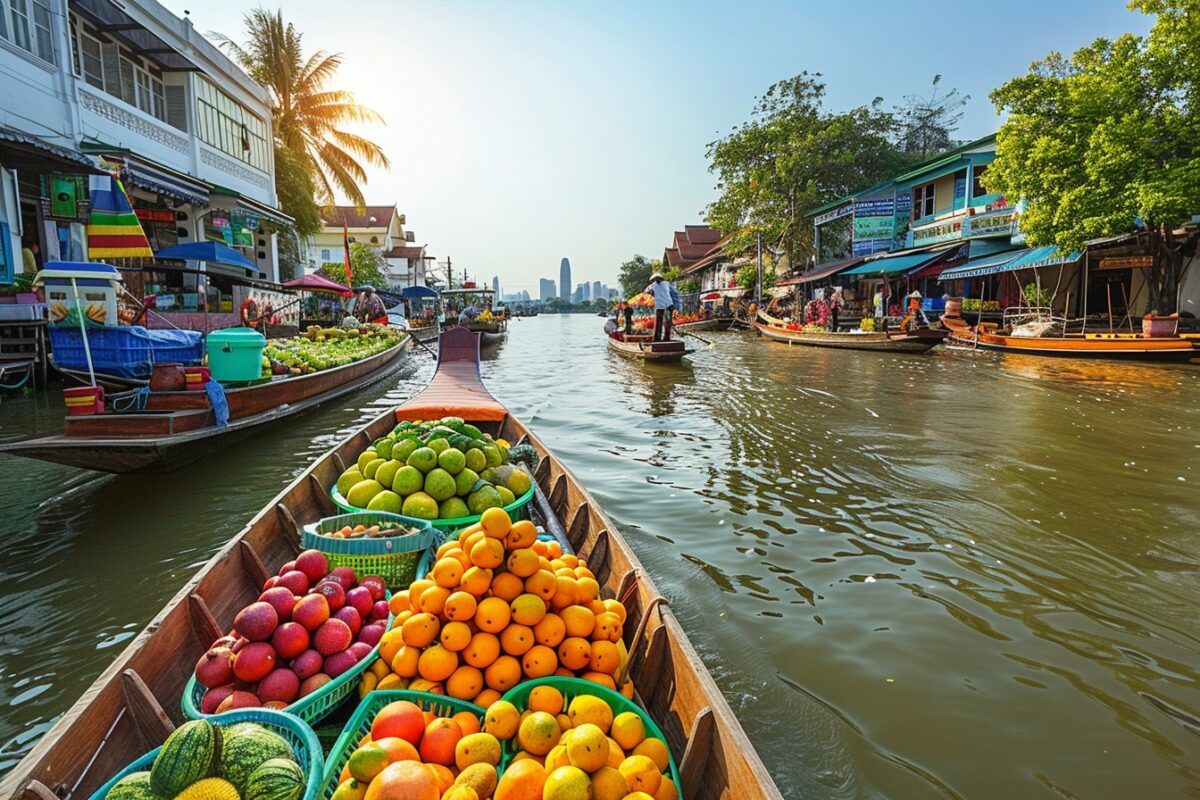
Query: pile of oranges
[{"x": 500, "y": 607}]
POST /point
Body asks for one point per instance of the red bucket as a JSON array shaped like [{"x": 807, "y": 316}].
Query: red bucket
[
  {"x": 196, "y": 377},
  {"x": 85, "y": 400}
]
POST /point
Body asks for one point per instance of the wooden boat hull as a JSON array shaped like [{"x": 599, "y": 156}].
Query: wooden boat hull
[
  {"x": 1121, "y": 347},
  {"x": 699, "y": 325},
  {"x": 650, "y": 351},
  {"x": 489, "y": 332},
  {"x": 155, "y": 442},
  {"x": 919, "y": 342},
  {"x": 426, "y": 333},
  {"x": 135, "y": 702}
]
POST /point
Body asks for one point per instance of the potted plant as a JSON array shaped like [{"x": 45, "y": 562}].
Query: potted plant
[{"x": 1154, "y": 325}]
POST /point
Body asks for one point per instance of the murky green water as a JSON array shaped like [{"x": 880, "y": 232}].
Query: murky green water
[{"x": 950, "y": 575}]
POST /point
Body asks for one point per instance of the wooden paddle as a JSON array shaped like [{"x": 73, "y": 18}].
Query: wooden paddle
[{"x": 708, "y": 342}]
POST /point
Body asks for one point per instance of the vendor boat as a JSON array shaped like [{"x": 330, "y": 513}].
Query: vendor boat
[
  {"x": 643, "y": 346},
  {"x": 917, "y": 341},
  {"x": 163, "y": 430},
  {"x": 490, "y": 327},
  {"x": 135, "y": 703},
  {"x": 1035, "y": 332},
  {"x": 710, "y": 324}
]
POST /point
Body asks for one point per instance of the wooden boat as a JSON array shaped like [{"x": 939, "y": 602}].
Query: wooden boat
[
  {"x": 710, "y": 324},
  {"x": 176, "y": 428},
  {"x": 918, "y": 341},
  {"x": 135, "y": 703},
  {"x": 425, "y": 333},
  {"x": 644, "y": 347},
  {"x": 1129, "y": 346},
  {"x": 490, "y": 332}
]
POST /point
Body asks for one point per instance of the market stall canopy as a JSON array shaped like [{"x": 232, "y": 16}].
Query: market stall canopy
[
  {"x": 418, "y": 292},
  {"x": 823, "y": 271},
  {"x": 208, "y": 252},
  {"x": 317, "y": 283},
  {"x": 1048, "y": 256},
  {"x": 79, "y": 270},
  {"x": 897, "y": 264},
  {"x": 711, "y": 296},
  {"x": 978, "y": 267}
]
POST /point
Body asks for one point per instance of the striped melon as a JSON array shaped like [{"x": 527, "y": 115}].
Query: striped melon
[
  {"x": 187, "y": 756},
  {"x": 134, "y": 786},
  {"x": 209, "y": 789},
  {"x": 278, "y": 779},
  {"x": 246, "y": 747}
]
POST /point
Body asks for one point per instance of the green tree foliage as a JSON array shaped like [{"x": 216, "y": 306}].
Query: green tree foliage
[
  {"x": 689, "y": 286},
  {"x": 794, "y": 155},
  {"x": 1107, "y": 138},
  {"x": 366, "y": 268},
  {"x": 296, "y": 190},
  {"x": 925, "y": 124},
  {"x": 635, "y": 274},
  {"x": 747, "y": 277},
  {"x": 310, "y": 118}
]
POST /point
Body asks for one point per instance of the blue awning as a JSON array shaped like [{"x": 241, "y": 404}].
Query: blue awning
[
  {"x": 894, "y": 265},
  {"x": 1048, "y": 256},
  {"x": 985, "y": 265},
  {"x": 210, "y": 253},
  {"x": 418, "y": 292}
]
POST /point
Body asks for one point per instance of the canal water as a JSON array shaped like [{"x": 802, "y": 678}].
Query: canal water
[{"x": 951, "y": 575}]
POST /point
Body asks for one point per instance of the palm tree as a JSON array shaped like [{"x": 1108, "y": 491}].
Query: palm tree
[{"x": 308, "y": 116}]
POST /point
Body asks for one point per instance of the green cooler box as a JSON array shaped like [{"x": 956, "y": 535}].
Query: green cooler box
[{"x": 235, "y": 354}]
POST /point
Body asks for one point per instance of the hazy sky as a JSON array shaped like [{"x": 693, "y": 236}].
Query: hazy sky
[{"x": 522, "y": 132}]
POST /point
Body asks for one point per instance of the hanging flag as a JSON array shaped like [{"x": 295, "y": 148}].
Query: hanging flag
[
  {"x": 346, "y": 250},
  {"x": 113, "y": 229}
]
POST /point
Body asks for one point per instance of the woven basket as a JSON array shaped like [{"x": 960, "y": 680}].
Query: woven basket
[{"x": 393, "y": 558}]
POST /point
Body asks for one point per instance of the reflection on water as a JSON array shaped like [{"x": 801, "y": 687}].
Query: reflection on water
[{"x": 951, "y": 575}]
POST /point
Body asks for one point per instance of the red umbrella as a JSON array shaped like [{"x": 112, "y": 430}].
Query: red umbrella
[{"x": 319, "y": 283}]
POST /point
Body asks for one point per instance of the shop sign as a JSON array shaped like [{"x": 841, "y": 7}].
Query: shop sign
[
  {"x": 868, "y": 246},
  {"x": 947, "y": 231},
  {"x": 874, "y": 220},
  {"x": 63, "y": 197},
  {"x": 155, "y": 215},
  {"x": 831, "y": 215},
  {"x": 995, "y": 223},
  {"x": 1128, "y": 262},
  {"x": 219, "y": 219},
  {"x": 242, "y": 219}
]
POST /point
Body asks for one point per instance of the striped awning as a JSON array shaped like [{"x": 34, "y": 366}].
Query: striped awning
[
  {"x": 157, "y": 178},
  {"x": 1048, "y": 256},
  {"x": 986, "y": 265},
  {"x": 898, "y": 264}
]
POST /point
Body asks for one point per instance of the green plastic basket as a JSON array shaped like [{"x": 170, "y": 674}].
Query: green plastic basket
[
  {"x": 393, "y": 558},
  {"x": 360, "y": 725},
  {"x": 304, "y": 744},
  {"x": 515, "y": 510},
  {"x": 571, "y": 688},
  {"x": 311, "y": 708}
]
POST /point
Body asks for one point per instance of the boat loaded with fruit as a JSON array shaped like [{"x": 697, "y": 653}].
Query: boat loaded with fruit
[
  {"x": 525, "y": 653},
  {"x": 188, "y": 411}
]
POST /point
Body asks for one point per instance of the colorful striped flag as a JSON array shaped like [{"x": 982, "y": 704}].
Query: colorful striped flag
[{"x": 113, "y": 229}]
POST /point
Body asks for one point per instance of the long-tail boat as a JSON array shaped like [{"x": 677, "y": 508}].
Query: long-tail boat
[
  {"x": 176, "y": 428},
  {"x": 710, "y": 324},
  {"x": 643, "y": 346},
  {"x": 491, "y": 328},
  {"x": 916, "y": 341},
  {"x": 1044, "y": 337},
  {"x": 135, "y": 703}
]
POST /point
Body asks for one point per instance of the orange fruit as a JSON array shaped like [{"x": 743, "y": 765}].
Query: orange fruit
[
  {"x": 608, "y": 627},
  {"x": 538, "y": 662},
  {"x": 409, "y": 780},
  {"x": 390, "y": 644},
  {"x": 589, "y": 708},
  {"x": 522, "y": 563},
  {"x": 398, "y": 749},
  {"x": 579, "y": 621},
  {"x": 401, "y": 719},
  {"x": 587, "y": 748},
  {"x": 546, "y": 698},
  {"x": 589, "y": 589},
  {"x": 601, "y": 678},
  {"x": 564, "y": 721},
  {"x": 456, "y": 636},
  {"x": 398, "y": 603},
  {"x": 626, "y": 689},
  {"x": 550, "y": 631},
  {"x": 516, "y": 639},
  {"x": 655, "y": 749},
  {"x": 465, "y": 682},
  {"x": 542, "y": 583},
  {"x": 575, "y": 653},
  {"x": 507, "y": 586},
  {"x": 405, "y": 662},
  {"x": 492, "y": 615},
  {"x": 528, "y": 609},
  {"x": 423, "y": 685},
  {"x": 605, "y": 658},
  {"x": 501, "y": 719},
  {"x": 437, "y": 663},
  {"x": 641, "y": 774},
  {"x": 557, "y": 757},
  {"x": 565, "y": 593},
  {"x": 460, "y": 606},
  {"x": 476, "y": 581},
  {"x": 488, "y": 553},
  {"x": 523, "y": 533},
  {"x": 538, "y": 733},
  {"x": 470, "y": 540},
  {"x": 445, "y": 778},
  {"x": 460, "y": 555},
  {"x": 482, "y": 651},
  {"x": 503, "y": 673},
  {"x": 486, "y": 698},
  {"x": 596, "y": 607},
  {"x": 554, "y": 549},
  {"x": 495, "y": 523},
  {"x": 433, "y": 600},
  {"x": 419, "y": 630},
  {"x": 438, "y": 743},
  {"x": 521, "y": 780},
  {"x": 564, "y": 672},
  {"x": 628, "y": 730},
  {"x": 608, "y": 784},
  {"x": 666, "y": 790},
  {"x": 401, "y": 618},
  {"x": 447, "y": 572},
  {"x": 467, "y": 721}
]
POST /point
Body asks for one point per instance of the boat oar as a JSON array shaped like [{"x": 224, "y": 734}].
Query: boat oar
[
  {"x": 708, "y": 342},
  {"x": 423, "y": 346}
]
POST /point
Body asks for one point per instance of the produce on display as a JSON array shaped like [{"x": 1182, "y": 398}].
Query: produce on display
[
  {"x": 371, "y": 532},
  {"x": 444, "y": 469},
  {"x": 309, "y": 625},
  {"x": 500, "y": 607},
  {"x": 325, "y": 348},
  {"x": 202, "y": 761}
]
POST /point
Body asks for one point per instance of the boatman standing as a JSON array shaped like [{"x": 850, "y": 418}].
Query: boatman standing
[{"x": 664, "y": 304}]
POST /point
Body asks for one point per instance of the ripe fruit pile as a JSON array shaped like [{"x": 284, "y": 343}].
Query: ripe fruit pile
[
  {"x": 200, "y": 761},
  {"x": 410, "y": 754},
  {"x": 308, "y": 626},
  {"x": 500, "y": 607},
  {"x": 324, "y": 348},
  {"x": 579, "y": 750},
  {"x": 444, "y": 469}
]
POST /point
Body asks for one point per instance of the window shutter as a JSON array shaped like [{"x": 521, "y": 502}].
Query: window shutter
[
  {"x": 128, "y": 94},
  {"x": 110, "y": 59},
  {"x": 176, "y": 106}
]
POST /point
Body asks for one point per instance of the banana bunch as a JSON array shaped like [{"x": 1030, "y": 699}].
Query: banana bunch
[
  {"x": 96, "y": 313},
  {"x": 58, "y": 310}
]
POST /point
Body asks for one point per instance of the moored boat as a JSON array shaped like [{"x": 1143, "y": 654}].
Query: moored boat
[
  {"x": 490, "y": 326},
  {"x": 917, "y": 341},
  {"x": 710, "y": 324},
  {"x": 644, "y": 347},
  {"x": 175, "y": 428},
  {"x": 135, "y": 703},
  {"x": 1043, "y": 337}
]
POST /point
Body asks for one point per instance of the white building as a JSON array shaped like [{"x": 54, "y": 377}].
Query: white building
[{"x": 129, "y": 82}]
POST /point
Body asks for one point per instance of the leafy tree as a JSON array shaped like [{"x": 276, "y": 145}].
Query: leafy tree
[
  {"x": 1106, "y": 141},
  {"x": 635, "y": 274},
  {"x": 794, "y": 155},
  {"x": 747, "y": 277},
  {"x": 926, "y": 123},
  {"x": 366, "y": 268},
  {"x": 309, "y": 117},
  {"x": 296, "y": 190},
  {"x": 689, "y": 286},
  {"x": 600, "y": 304}
]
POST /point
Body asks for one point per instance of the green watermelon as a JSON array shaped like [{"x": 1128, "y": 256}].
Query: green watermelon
[
  {"x": 134, "y": 786},
  {"x": 186, "y": 757},
  {"x": 245, "y": 748},
  {"x": 277, "y": 779}
]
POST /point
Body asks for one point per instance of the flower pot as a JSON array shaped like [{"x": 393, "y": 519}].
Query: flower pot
[{"x": 1155, "y": 326}]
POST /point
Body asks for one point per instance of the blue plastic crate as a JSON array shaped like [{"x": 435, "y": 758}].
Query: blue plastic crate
[
  {"x": 933, "y": 304},
  {"x": 127, "y": 351}
]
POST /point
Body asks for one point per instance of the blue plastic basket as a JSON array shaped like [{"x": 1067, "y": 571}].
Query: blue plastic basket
[
  {"x": 127, "y": 351},
  {"x": 393, "y": 558},
  {"x": 301, "y": 737}
]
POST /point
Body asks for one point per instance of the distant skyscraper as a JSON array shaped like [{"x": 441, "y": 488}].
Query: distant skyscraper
[
  {"x": 496, "y": 284},
  {"x": 577, "y": 295},
  {"x": 596, "y": 288},
  {"x": 564, "y": 279},
  {"x": 587, "y": 292},
  {"x": 545, "y": 289},
  {"x": 524, "y": 296}
]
